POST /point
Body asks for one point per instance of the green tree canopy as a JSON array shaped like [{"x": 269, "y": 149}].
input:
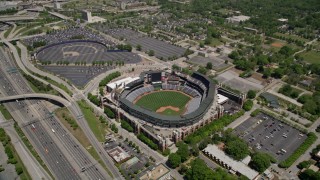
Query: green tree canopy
[
  {"x": 237, "y": 149},
  {"x": 174, "y": 160}
]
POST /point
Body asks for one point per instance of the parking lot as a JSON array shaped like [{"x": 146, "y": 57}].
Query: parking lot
[
  {"x": 136, "y": 163},
  {"x": 217, "y": 63},
  {"x": 78, "y": 75},
  {"x": 232, "y": 79},
  {"x": 267, "y": 134},
  {"x": 162, "y": 49}
]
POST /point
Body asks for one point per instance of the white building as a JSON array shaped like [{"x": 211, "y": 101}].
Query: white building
[
  {"x": 222, "y": 99},
  {"x": 120, "y": 83},
  {"x": 237, "y": 19},
  {"x": 235, "y": 167}
]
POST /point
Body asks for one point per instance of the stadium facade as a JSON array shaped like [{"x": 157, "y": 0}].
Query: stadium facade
[{"x": 167, "y": 129}]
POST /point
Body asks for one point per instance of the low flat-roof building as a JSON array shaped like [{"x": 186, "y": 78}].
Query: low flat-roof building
[
  {"x": 237, "y": 19},
  {"x": 118, "y": 154},
  {"x": 159, "y": 172},
  {"x": 236, "y": 167}
]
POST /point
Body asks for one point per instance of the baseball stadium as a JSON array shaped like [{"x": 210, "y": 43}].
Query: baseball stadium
[
  {"x": 168, "y": 100},
  {"x": 166, "y": 105}
]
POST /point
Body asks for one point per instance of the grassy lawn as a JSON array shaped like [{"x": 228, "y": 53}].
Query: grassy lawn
[
  {"x": 99, "y": 129},
  {"x": 6, "y": 114},
  {"x": 311, "y": 57},
  {"x": 6, "y": 34},
  {"x": 63, "y": 114},
  {"x": 155, "y": 100}
]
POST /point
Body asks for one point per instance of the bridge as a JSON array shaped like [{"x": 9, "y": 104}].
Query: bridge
[
  {"x": 17, "y": 18},
  {"x": 36, "y": 96}
]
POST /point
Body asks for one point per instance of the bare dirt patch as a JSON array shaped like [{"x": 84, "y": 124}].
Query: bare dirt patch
[
  {"x": 163, "y": 108},
  {"x": 277, "y": 44}
]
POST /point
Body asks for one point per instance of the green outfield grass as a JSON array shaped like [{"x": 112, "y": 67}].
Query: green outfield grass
[{"x": 155, "y": 100}]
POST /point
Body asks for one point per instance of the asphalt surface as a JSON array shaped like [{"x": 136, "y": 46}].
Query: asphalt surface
[
  {"x": 61, "y": 165},
  {"x": 270, "y": 135}
]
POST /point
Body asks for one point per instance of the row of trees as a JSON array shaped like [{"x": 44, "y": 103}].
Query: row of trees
[
  {"x": 37, "y": 84},
  {"x": 109, "y": 78},
  {"x": 9, "y": 150},
  {"x": 94, "y": 99},
  {"x": 211, "y": 128},
  {"x": 109, "y": 113},
  {"x": 147, "y": 141},
  {"x": 125, "y": 125}
]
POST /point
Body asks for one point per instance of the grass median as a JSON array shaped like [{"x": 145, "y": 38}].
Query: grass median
[
  {"x": 13, "y": 157},
  {"x": 6, "y": 114},
  {"x": 98, "y": 129}
]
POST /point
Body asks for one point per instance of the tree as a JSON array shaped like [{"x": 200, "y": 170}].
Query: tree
[
  {"x": 183, "y": 152},
  {"x": 151, "y": 53},
  {"x": 199, "y": 170},
  {"x": 209, "y": 65},
  {"x": 251, "y": 94},
  {"x": 260, "y": 161},
  {"x": 174, "y": 160},
  {"x": 304, "y": 164},
  {"x": 139, "y": 47},
  {"x": 247, "y": 106},
  {"x": 237, "y": 149},
  {"x": 201, "y": 44},
  {"x": 109, "y": 113}
]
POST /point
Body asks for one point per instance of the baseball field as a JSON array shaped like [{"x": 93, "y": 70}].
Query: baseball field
[{"x": 164, "y": 102}]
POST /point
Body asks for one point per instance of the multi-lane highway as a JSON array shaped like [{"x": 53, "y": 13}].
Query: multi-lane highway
[{"x": 61, "y": 152}]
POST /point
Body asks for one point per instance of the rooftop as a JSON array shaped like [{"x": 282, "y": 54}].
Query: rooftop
[
  {"x": 118, "y": 154},
  {"x": 233, "y": 164},
  {"x": 122, "y": 82},
  {"x": 155, "y": 173}
]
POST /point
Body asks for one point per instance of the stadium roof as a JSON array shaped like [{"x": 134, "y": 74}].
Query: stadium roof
[
  {"x": 235, "y": 165},
  {"x": 122, "y": 82}
]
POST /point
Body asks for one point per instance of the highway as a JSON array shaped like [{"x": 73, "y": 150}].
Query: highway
[
  {"x": 36, "y": 96},
  {"x": 32, "y": 164},
  {"x": 64, "y": 159},
  {"x": 75, "y": 110}
]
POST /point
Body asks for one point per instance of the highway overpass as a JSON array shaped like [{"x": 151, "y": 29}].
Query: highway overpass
[{"x": 36, "y": 96}]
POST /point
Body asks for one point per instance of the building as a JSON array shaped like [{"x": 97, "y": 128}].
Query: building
[
  {"x": 237, "y": 19},
  {"x": 233, "y": 166},
  {"x": 86, "y": 15},
  {"x": 271, "y": 99},
  {"x": 283, "y": 20},
  {"x": 57, "y": 5},
  {"x": 160, "y": 172},
  {"x": 120, "y": 83},
  {"x": 118, "y": 154}
]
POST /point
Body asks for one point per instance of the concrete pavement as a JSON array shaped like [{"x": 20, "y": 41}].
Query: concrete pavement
[{"x": 35, "y": 170}]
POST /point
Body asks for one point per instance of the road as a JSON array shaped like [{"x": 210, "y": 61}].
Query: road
[
  {"x": 60, "y": 150},
  {"x": 75, "y": 110},
  {"x": 33, "y": 165},
  {"x": 36, "y": 96}
]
